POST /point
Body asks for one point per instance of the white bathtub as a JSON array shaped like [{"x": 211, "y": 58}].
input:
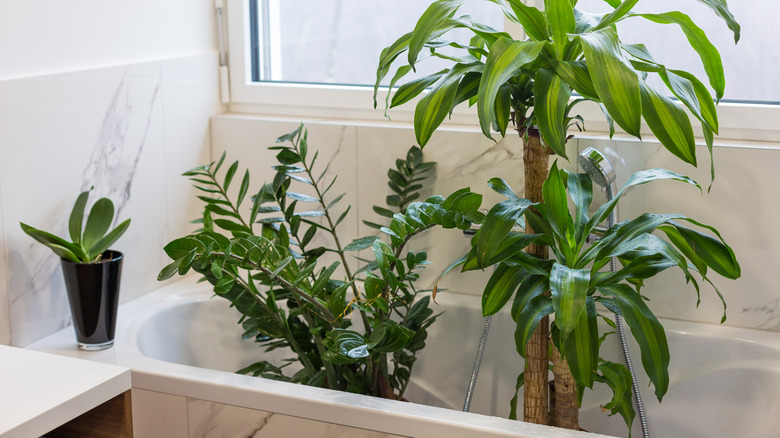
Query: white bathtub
[{"x": 181, "y": 341}]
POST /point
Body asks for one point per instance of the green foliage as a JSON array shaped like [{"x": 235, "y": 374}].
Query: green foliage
[
  {"x": 405, "y": 181},
  {"x": 88, "y": 240},
  {"x": 580, "y": 292},
  {"x": 566, "y": 50},
  {"x": 267, "y": 260}
]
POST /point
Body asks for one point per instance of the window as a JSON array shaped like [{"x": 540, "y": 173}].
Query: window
[
  {"x": 751, "y": 66},
  {"x": 334, "y": 42},
  {"x": 317, "y": 58}
]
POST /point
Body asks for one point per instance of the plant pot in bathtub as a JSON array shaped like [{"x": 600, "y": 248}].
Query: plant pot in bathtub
[{"x": 92, "y": 272}]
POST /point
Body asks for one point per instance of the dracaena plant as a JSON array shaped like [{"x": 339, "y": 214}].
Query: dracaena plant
[
  {"x": 90, "y": 239},
  {"x": 580, "y": 290},
  {"x": 568, "y": 56},
  {"x": 356, "y": 331}
]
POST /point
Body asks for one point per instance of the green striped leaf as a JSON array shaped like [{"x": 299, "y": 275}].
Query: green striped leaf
[
  {"x": 569, "y": 288},
  {"x": 430, "y": 21},
  {"x": 708, "y": 112},
  {"x": 580, "y": 188},
  {"x": 709, "y": 55},
  {"x": 638, "y": 178},
  {"x": 551, "y": 95},
  {"x": 532, "y": 19},
  {"x": 618, "y": 14},
  {"x": 712, "y": 251},
  {"x": 613, "y": 78},
  {"x": 581, "y": 348},
  {"x": 498, "y": 223},
  {"x": 434, "y": 107},
  {"x": 503, "y": 62},
  {"x": 560, "y": 16},
  {"x": 528, "y": 320},
  {"x": 618, "y": 378},
  {"x": 669, "y": 124},
  {"x": 531, "y": 287},
  {"x": 577, "y": 76},
  {"x": 648, "y": 332},
  {"x": 500, "y": 287},
  {"x": 411, "y": 89},
  {"x": 722, "y": 10}
]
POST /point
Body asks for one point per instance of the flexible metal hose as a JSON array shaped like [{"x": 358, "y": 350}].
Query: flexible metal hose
[
  {"x": 477, "y": 363},
  {"x": 621, "y": 333}
]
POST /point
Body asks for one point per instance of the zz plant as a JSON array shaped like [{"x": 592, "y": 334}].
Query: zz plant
[
  {"x": 356, "y": 331},
  {"x": 568, "y": 56}
]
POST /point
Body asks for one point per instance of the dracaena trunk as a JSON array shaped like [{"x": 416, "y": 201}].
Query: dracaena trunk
[
  {"x": 565, "y": 412},
  {"x": 535, "y": 390}
]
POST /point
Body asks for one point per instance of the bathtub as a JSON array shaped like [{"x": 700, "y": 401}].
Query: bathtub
[{"x": 182, "y": 342}]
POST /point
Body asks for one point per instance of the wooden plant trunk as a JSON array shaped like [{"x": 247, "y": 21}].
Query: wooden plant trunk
[
  {"x": 535, "y": 395},
  {"x": 537, "y": 409}
]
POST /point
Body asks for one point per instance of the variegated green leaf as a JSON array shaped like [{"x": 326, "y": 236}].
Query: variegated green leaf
[
  {"x": 433, "y": 18},
  {"x": 551, "y": 96},
  {"x": 581, "y": 348},
  {"x": 669, "y": 124},
  {"x": 648, "y": 332},
  {"x": 560, "y": 16},
  {"x": 613, "y": 78},
  {"x": 569, "y": 288},
  {"x": 709, "y": 55},
  {"x": 504, "y": 61},
  {"x": 528, "y": 320}
]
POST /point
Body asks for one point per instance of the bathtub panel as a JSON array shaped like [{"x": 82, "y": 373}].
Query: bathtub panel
[
  {"x": 739, "y": 205},
  {"x": 207, "y": 419},
  {"x": 159, "y": 415}
]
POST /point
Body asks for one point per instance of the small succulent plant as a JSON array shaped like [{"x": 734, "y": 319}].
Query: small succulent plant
[{"x": 88, "y": 240}]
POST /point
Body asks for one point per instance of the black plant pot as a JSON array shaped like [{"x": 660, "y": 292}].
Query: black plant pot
[{"x": 93, "y": 294}]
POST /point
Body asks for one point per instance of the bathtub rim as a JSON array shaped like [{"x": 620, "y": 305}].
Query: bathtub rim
[{"x": 318, "y": 404}]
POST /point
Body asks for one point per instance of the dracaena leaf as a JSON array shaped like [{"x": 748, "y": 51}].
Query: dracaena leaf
[
  {"x": 616, "y": 82},
  {"x": 505, "y": 59}
]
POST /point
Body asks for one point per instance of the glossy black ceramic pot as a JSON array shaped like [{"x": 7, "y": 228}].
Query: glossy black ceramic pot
[{"x": 93, "y": 294}]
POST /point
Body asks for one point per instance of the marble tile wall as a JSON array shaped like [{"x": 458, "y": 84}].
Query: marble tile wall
[
  {"x": 123, "y": 130},
  {"x": 741, "y": 203}
]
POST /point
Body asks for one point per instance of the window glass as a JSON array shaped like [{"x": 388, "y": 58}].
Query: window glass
[
  {"x": 750, "y": 67},
  {"x": 339, "y": 41}
]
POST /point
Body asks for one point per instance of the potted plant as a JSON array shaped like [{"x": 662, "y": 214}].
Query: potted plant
[
  {"x": 532, "y": 83},
  {"x": 91, "y": 270},
  {"x": 355, "y": 330}
]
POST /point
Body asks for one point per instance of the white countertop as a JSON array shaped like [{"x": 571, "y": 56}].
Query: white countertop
[{"x": 41, "y": 391}]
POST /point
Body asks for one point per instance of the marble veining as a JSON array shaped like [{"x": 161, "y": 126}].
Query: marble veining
[
  {"x": 768, "y": 313},
  {"x": 212, "y": 420},
  {"x": 114, "y": 161}
]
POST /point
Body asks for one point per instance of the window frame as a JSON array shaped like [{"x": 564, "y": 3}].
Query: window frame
[{"x": 738, "y": 121}]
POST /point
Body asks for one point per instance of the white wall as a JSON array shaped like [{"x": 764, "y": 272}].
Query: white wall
[{"x": 106, "y": 93}]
